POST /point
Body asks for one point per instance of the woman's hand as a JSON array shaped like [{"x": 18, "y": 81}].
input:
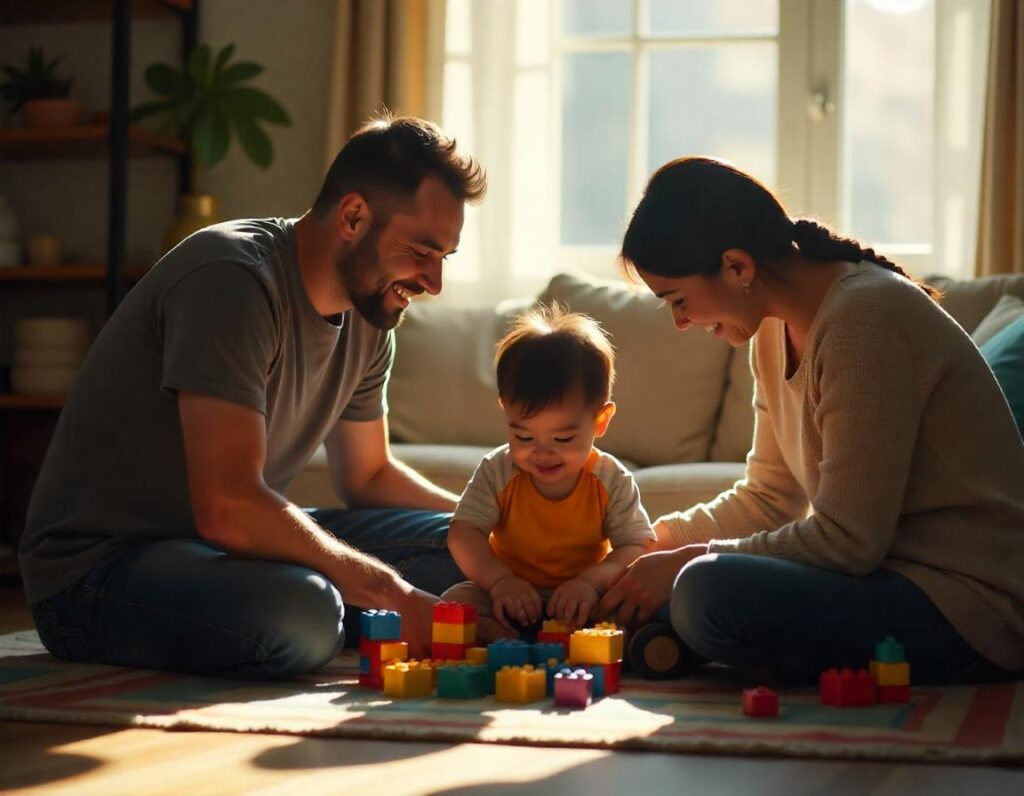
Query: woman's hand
[{"x": 646, "y": 585}]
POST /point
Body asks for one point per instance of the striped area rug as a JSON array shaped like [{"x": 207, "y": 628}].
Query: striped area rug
[{"x": 966, "y": 724}]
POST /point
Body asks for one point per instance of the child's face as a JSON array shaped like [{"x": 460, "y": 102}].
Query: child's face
[{"x": 553, "y": 445}]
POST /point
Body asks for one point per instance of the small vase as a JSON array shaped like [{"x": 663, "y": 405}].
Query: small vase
[
  {"x": 58, "y": 112},
  {"x": 195, "y": 211}
]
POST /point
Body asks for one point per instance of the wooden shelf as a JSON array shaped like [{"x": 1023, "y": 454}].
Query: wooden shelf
[
  {"x": 89, "y": 140},
  {"x": 49, "y": 12},
  {"x": 17, "y": 401},
  {"x": 61, "y": 274}
]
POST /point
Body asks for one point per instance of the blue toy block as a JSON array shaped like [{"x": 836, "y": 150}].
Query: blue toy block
[
  {"x": 463, "y": 681},
  {"x": 364, "y": 665},
  {"x": 553, "y": 667},
  {"x": 380, "y": 625},
  {"x": 889, "y": 651},
  {"x": 543, "y": 651},
  {"x": 507, "y": 652},
  {"x": 598, "y": 672}
]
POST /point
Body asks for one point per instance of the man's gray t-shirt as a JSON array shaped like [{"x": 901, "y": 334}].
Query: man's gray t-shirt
[{"x": 224, "y": 314}]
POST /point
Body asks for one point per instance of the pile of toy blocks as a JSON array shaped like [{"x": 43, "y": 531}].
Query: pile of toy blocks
[
  {"x": 887, "y": 680},
  {"x": 379, "y": 644}
]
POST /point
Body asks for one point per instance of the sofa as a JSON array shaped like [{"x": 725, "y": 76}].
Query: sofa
[{"x": 684, "y": 422}]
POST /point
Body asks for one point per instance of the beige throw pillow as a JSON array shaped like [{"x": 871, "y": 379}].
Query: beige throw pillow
[
  {"x": 1008, "y": 309},
  {"x": 670, "y": 384}
]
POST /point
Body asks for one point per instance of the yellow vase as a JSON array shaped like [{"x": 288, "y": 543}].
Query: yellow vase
[{"x": 195, "y": 211}]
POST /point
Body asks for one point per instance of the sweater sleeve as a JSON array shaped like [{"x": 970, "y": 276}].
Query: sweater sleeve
[
  {"x": 868, "y": 415},
  {"x": 766, "y": 497}
]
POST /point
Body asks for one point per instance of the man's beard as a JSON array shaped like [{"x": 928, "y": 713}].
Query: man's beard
[{"x": 357, "y": 271}]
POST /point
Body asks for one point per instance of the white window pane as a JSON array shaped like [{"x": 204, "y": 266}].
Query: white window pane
[
  {"x": 708, "y": 17},
  {"x": 457, "y": 112},
  {"x": 533, "y": 204},
  {"x": 533, "y": 38},
  {"x": 715, "y": 100},
  {"x": 888, "y": 121},
  {"x": 595, "y": 134},
  {"x": 458, "y": 36},
  {"x": 597, "y": 17}
]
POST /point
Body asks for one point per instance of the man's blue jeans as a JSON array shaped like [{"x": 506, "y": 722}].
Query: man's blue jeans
[
  {"x": 785, "y": 621},
  {"x": 186, "y": 605}
]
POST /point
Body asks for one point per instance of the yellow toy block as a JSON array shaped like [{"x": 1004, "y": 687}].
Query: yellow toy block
[
  {"x": 408, "y": 679},
  {"x": 446, "y": 633},
  {"x": 599, "y": 644},
  {"x": 891, "y": 673},
  {"x": 520, "y": 684},
  {"x": 554, "y": 626},
  {"x": 394, "y": 651},
  {"x": 476, "y": 655}
]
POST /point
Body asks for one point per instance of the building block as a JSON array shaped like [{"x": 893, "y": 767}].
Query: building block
[
  {"x": 520, "y": 684},
  {"x": 507, "y": 652},
  {"x": 573, "y": 689},
  {"x": 380, "y": 625},
  {"x": 451, "y": 633},
  {"x": 760, "y": 703},
  {"x": 847, "y": 689},
  {"x": 476, "y": 655},
  {"x": 888, "y": 694},
  {"x": 612, "y": 676},
  {"x": 544, "y": 651},
  {"x": 443, "y": 651},
  {"x": 552, "y": 667},
  {"x": 546, "y": 637},
  {"x": 889, "y": 650},
  {"x": 462, "y": 681},
  {"x": 555, "y": 626},
  {"x": 408, "y": 679},
  {"x": 371, "y": 681},
  {"x": 377, "y": 653},
  {"x": 891, "y": 673},
  {"x": 454, "y": 613},
  {"x": 599, "y": 644}
]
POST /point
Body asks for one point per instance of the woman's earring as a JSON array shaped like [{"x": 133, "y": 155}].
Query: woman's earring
[{"x": 746, "y": 287}]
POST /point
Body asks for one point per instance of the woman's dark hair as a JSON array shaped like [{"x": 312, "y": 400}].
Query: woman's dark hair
[
  {"x": 695, "y": 208},
  {"x": 549, "y": 353},
  {"x": 387, "y": 158}
]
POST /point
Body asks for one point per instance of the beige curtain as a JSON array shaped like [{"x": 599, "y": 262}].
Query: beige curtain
[
  {"x": 1001, "y": 211},
  {"x": 387, "y": 54}
]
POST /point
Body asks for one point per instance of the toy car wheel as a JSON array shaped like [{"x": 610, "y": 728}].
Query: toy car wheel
[{"x": 655, "y": 652}]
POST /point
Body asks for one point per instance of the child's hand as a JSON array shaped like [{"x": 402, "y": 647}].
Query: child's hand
[
  {"x": 515, "y": 598},
  {"x": 573, "y": 601}
]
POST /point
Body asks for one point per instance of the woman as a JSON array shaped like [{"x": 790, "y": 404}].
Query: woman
[{"x": 884, "y": 493}]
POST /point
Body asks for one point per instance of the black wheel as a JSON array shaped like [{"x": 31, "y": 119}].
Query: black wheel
[{"x": 655, "y": 652}]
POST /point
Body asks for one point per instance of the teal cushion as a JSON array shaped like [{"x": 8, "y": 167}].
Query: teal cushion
[{"x": 1005, "y": 355}]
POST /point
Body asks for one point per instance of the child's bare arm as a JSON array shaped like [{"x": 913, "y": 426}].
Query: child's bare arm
[
  {"x": 601, "y": 576},
  {"x": 472, "y": 552}
]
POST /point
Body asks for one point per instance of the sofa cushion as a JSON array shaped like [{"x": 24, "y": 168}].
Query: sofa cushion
[
  {"x": 734, "y": 431},
  {"x": 1008, "y": 309},
  {"x": 442, "y": 386},
  {"x": 1005, "y": 355},
  {"x": 970, "y": 300},
  {"x": 669, "y": 385},
  {"x": 677, "y": 487}
]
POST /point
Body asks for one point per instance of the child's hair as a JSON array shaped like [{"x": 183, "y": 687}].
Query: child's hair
[{"x": 549, "y": 353}]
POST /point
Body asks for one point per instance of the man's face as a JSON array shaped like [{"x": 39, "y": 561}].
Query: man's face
[{"x": 402, "y": 258}]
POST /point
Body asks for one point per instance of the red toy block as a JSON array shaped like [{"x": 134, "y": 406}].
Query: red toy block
[
  {"x": 371, "y": 681},
  {"x": 546, "y": 636},
  {"x": 847, "y": 688},
  {"x": 612, "y": 676},
  {"x": 760, "y": 703},
  {"x": 454, "y": 614},
  {"x": 888, "y": 694},
  {"x": 441, "y": 651}
]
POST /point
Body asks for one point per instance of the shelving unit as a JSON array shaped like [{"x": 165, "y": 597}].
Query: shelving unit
[{"x": 112, "y": 138}]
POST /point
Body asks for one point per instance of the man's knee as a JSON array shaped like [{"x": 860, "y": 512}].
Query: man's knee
[
  {"x": 305, "y": 629},
  {"x": 697, "y": 590}
]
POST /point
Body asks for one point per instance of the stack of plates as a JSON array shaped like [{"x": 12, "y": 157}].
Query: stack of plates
[{"x": 47, "y": 353}]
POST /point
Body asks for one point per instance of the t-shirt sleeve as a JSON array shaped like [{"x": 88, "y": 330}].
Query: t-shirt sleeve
[
  {"x": 220, "y": 335},
  {"x": 479, "y": 505},
  {"x": 625, "y": 519},
  {"x": 369, "y": 401}
]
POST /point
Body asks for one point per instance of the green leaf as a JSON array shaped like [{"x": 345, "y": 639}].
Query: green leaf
[
  {"x": 199, "y": 65},
  {"x": 256, "y": 104},
  {"x": 255, "y": 142},
  {"x": 243, "y": 70},
  {"x": 212, "y": 136},
  {"x": 222, "y": 59},
  {"x": 167, "y": 81}
]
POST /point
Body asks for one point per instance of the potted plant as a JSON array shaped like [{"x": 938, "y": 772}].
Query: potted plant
[
  {"x": 38, "y": 93},
  {"x": 208, "y": 104}
]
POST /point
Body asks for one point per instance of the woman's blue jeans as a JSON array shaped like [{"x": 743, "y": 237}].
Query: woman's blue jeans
[
  {"x": 782, "y": 621},
  {"x": 186, "y": 605}
]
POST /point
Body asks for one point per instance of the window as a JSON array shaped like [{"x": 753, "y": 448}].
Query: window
[{"x": 864, "y": 113}]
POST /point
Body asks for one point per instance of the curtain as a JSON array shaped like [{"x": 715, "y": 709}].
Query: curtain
[
  {"x": 387, "y": 54},
  {"x": 1001, "y": 212}
]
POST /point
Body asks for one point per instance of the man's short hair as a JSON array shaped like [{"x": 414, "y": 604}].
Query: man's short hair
[
  {"x": 550, "y": 353},
  {"x": 387, "y": 158}
]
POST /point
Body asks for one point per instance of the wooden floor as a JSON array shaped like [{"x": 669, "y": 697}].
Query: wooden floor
[{"x": 66, "y": 759}]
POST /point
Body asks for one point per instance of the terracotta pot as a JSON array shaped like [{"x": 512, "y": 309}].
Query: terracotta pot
[
  {"x": 195, "y": 211},
  {"x": 39, "y": 113}
]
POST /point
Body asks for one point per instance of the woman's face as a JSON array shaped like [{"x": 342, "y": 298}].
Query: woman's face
[{"x": 713, "y": 303}]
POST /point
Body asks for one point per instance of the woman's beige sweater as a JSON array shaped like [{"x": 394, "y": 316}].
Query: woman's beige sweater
[{"x": 892, "y": 446}]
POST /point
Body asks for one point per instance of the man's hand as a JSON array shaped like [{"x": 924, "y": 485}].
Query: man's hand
[
  {"x": 515, "y": 598},
  {"x": 573, "y": 601},
  {"x": 646, "y": 585},
  {"x": 417, "y": 609}
]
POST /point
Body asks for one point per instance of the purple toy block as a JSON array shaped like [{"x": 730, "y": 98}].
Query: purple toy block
[{"x": 573, "y": 689}]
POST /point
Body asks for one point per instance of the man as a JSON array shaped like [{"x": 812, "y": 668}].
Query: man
[{"x": 157, "y": 534}]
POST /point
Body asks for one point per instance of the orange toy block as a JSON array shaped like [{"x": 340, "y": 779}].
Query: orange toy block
[
  {"x": 890, "y": 673},
  {"x": 599, "y": 644},
  {"x": 520, "y": 684},
  {"x": 476, "y": 655},
  {"x": 408, "y": 679},
  {"x": 450, "y": 633}
]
